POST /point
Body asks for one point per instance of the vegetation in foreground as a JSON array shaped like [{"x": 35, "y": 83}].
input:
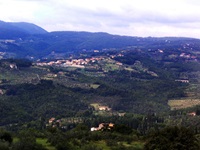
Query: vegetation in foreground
[{"x": 117, "y": 138}]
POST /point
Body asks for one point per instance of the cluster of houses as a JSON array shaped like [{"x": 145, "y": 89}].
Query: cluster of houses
[
  {"x": 61, "y": 123},
  {"x": 188, "y": 56},
  {"x": 103, "y": 126},
  {"x": 118, "y": 55},
  {"x": 78, "y": 63},
  {"x": 54, "y": 123},
  {"x": 104, "y": 108},
  {"x": 182, "y": 80},
  {"x": 13, "y": 66}
]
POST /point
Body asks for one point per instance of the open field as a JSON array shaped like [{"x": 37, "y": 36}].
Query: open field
[
  {"x": 42, "y": 141},
  {"x": 137, "y": 145},
  {"x": 183, "y": 103}
]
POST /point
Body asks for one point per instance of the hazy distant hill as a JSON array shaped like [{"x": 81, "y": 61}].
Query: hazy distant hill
[
  {"x": 74, "y": 42},
  {"x": 7, "y": 31},
  {"x": 32, "y": 40},
  {"x": 29, "y": 27},
  {"x": 12, "y": 30}
]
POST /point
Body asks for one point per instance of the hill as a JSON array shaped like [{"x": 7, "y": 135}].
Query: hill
[
  {"x": 7, "y": 31},
  {"x": 122, "y": 87},
  {"x": 29, "y": 28},
  {"x": 26, "y": 40},
  {"x": 124, "y": 81},
  {"x": 68, "y": 42},
  {"x": 14, "y": 30},
  {"x": 92, "y": 75}
]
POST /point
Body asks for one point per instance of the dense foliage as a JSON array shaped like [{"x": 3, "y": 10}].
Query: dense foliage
[{"x": 173, "y": 138}]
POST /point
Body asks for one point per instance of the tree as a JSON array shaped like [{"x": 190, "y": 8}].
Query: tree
[
  {"x": 63, "y": 145},
  {"x": 5, "y": 136},
  {"x": 123, "y": 129},
  {"x": 4, "y": 146},
  {"x": 172, "y": 138},
  {"x": 27, "y": 141}
]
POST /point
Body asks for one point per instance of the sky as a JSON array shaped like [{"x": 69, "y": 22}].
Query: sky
[{"x": 156, "y": 18}]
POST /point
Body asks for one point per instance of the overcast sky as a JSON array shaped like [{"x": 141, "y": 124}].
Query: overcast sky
[{"x": 124, "y": 17}]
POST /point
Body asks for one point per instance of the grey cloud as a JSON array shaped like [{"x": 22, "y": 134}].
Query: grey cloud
[{"x": 129, "y": 19}]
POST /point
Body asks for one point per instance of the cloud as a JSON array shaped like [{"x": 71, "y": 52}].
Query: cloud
[{"x": 127, "y": 17}]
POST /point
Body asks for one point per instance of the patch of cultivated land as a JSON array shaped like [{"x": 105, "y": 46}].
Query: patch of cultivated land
[{"x": 183, "y": 103}]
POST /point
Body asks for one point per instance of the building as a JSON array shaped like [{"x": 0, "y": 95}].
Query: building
[
  {"x": 104, "y": 108},
  {"x": 51, "y": 120},
  {"x": 103, "y": 126}
]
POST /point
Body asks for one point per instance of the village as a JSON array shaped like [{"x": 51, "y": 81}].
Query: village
[{"x": 78, "y": 63}]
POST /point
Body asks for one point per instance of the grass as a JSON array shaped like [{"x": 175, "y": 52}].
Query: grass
[
  {"x": 103, "y": 145},
  {"x": 94, "y": 86},
  {"x": 45, "y": 143},
  {"x": 102, "y": 113},
  {"x": 137, "y": 145},
  {"x": 15, "y": 140},
  {"x": 183, "y": 103},
  {"x": 24, "y": 75},
  {"x": 112, "y": 67},
  {"x": 42, "y": 141},
  {"x": 128, "y": 69}
]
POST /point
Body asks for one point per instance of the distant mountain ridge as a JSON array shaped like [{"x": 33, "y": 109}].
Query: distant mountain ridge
[{"x": 29, "y": 40}]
